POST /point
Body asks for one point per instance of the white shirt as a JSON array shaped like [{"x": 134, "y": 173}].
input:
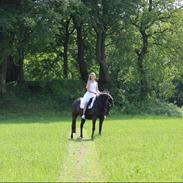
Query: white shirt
[{"x": 93, "y": 87}]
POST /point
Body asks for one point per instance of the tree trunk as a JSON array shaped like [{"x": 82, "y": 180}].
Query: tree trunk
[
  {"x": 81, "y": 62},
  {"x": 15, "y": 69},
  {"x": 65, "y": 44},
  {"x": 65, "y": 56},
  {"x": 12, "y": 70},
  {"x": 20, "y": 70},
  {"x": 150, "y": 5},
  {"x": 3, "y": 69},
  {"x": 141, "y": 59},
  {"x": 104, "y": 78}
]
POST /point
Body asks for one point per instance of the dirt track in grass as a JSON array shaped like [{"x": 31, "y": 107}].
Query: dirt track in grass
[{"x": 82, "y": 163}]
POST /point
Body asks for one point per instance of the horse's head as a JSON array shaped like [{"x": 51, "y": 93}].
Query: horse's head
[{"x": 106, "y": 102}]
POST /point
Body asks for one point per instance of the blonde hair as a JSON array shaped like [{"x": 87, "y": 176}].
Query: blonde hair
[{"x": 92, "y": 73}]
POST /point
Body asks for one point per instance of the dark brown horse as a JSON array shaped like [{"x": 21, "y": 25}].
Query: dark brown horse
[{"x": 100, "y": 109}]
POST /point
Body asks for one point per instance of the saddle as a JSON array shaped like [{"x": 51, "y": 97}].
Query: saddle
[{"x": 91, "y": 102}]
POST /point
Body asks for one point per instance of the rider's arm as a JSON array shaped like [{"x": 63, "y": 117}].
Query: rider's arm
[
  {"x": 98, "y": 90},
  {"x": 88, "y": 85}
]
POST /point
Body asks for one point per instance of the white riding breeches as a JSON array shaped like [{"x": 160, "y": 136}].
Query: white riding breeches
[{"x": 86, "y": 99}]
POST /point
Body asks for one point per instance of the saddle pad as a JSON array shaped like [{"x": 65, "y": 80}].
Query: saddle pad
[{"x": 91, "y": 102}]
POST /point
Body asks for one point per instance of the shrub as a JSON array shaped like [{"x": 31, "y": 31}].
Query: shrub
[{"x": 59, "y": 95}]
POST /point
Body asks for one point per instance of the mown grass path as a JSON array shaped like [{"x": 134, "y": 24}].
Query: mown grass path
[{"x": 82, "y": 163}]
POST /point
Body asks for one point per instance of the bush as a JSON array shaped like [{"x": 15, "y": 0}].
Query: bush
[
  {"x": 59, "y": 95},
  {"x": 151, "y": 108}
]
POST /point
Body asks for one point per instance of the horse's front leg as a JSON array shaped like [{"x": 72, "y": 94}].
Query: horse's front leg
[
  {"x": 93, "y": 126},
  {"x": 101, "y": 120},
  {"x": 81, "y": 127}
]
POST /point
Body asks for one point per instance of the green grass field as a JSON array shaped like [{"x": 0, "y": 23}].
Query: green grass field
[
  {"x": 32, "y": 150},
  {"x": 130, "y": 149},
  {"x": 142, "y": 149}
]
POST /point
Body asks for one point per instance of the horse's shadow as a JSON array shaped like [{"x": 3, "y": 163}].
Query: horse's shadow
[{"x": 78, "y": 139}]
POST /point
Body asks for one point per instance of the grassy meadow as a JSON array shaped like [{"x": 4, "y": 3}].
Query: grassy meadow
[
  {"x": 142, "y": 149},
  {"x": 32, "y": 150},
  {"x": 131, "y": 148}
]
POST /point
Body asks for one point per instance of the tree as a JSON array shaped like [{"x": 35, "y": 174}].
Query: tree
[
  {"x": 79, "y": 15},
  {"x": 25, "y": 27},
  {"x": 106, "y": 14},
  {"x": 7, "y": 25},
  {"x": 66, "y": 28},
  {"x": 149, "y": 20}
]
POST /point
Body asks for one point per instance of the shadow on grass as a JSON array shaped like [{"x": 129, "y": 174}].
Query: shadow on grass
[
  {"x": 79, "y": 139},
  {"x": 50, "y": 117}
]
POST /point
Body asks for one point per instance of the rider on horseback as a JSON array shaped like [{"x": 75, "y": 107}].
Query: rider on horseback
[{"x": 92, "y": 91}]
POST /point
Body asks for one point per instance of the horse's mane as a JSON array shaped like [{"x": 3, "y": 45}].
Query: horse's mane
[{"x": 104, "y": 93}]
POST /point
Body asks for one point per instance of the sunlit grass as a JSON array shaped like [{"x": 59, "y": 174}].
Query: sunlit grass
[
  {"x": 142, "y": 149},
  {"x": 32, "y": 150},
  {"x": 131, "y": 148}
]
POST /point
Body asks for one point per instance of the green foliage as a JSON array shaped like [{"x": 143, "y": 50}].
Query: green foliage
[
  {"x": 57, "y": 96},
  {"x": 177, "y": 97},
  {"x": 148, "y": 107},
  {"x": 34, "y": 31},
  {"x": 26, "y": 27},
  {"x": 53, "y": 95},
  {"x": 162, "y": 63},
  {"x": 43, "y": 67},
  {"x": 65, "y": 92}
]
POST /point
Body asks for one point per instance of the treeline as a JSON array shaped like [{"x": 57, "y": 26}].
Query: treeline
[{"x": 134, "y": 46}]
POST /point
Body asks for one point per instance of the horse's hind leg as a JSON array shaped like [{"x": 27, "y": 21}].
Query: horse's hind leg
[
  {"x": 81, "y": 127},
  {"x": 100, "y": 125},
  {"x": 73, "y": 126}
]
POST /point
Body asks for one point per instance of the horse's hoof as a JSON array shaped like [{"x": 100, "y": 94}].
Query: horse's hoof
[{"x": 71, "y": 136}]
